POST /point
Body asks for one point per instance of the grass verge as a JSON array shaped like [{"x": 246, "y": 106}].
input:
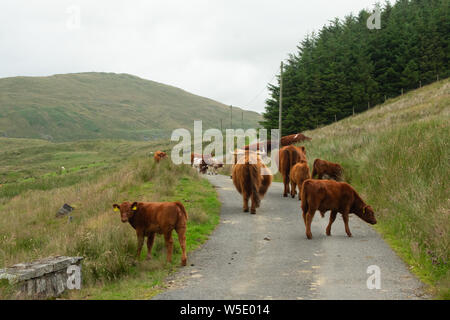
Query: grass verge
[{"x": 96, "y": 233}]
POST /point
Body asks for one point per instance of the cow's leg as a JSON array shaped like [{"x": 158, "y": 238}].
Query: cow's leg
[
  {"x": 169, "y": 245},
  {"x": 150, "y": 240},
  {"x": 314, "y": 172},
  {"x": 254, "y": 201},
  {"x": 182, "y": 239},
  {"x": 309, "y": 218},
  {"x": 293, "y": 189},
  {"x": 347, "y": 229},
  {"x": 140, "y": 240},
  {"x": 286, "y": 187},
  {"x": 332, "y": 218},
  {"x": 245, "y": 199}
]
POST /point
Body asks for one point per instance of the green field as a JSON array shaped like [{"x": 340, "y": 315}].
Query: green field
[
  {"x": 397, "y": 155},
  {"x": 98, "y": 174},
  {"x": 71, "y": 107}
]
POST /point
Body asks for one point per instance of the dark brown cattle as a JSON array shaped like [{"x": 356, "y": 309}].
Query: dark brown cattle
[
  {"x": 324, "y": 195},
  {"x": 299, "y": 173},
  {"x": 159, "y": 155},
  {"x": 288, "y": 157},
  {"x": 322, "y": 167},
  {"x": 284, "y": 141},
  {"x": 149, "y": 218},
  {"x": 249, "y": 179}
]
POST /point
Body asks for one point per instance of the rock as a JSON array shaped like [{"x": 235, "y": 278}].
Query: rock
[
  {"x": 42, "y": 278},
  {"x": 64, "y": 210}
]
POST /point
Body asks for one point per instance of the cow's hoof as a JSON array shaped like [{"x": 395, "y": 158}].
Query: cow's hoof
[
  {"x": 253, "y": 212},
  {"x": 285, "y": 195},
  {"x": 148, "y": 258},
  {"x": 183, "y": 262},
  {"x": 309, "y": 236},
  {"x": 245, "y": 210},
  {"x": 328, "y": 233},
  {"x": 349, "y": 235}
]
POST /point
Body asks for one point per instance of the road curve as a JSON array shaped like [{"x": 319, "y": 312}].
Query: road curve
[{"x": 267, "y": 256}]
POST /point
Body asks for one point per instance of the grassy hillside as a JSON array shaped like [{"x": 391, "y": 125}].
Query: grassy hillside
[
  {"x": 71, "y": 107},
  {"x": 397, "y": 155},
  {"x": 29, "y": 229}
]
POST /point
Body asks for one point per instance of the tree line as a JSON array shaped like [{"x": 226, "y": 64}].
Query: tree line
[{"x": 347, "y": 67}]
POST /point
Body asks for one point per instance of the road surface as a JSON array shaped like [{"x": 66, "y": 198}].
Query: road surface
[{"x": 267, "y": 256}]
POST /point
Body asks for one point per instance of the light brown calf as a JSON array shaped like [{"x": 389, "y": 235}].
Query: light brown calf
[{"x": 299, "y": 173}]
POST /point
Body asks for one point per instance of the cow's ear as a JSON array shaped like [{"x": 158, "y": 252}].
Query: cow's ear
[
  {"x": 116, "y": 207},
  {"x": 134, "y": 206}
]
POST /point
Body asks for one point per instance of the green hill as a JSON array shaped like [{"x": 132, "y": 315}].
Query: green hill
[{"x": 105, "y": 105}]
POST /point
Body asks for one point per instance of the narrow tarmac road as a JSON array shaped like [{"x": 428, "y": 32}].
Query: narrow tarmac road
[{"x": 267, "y": 256}]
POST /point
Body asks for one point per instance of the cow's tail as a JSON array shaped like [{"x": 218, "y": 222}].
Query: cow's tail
[
  {"x": 303, "y": 197},
  {"x": 252, "y": 170},
  {"x": 266, "y": 181},
  {"x": 182, "y": 209}
]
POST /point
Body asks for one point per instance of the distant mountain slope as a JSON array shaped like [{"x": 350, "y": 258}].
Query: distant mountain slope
[{"x": 105, "y": 105}]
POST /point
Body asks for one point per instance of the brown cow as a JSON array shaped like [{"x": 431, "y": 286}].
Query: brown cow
[
  {"x": 299, "y": 173},
  {"x": 293, "y": 138},
  {"x": 322, "y": 167},
  {"x": 288, "y": 157},
  {"x": 149, "y": 218},
  {"x": 159, "y": 155},
  {"x": 324, "y": 195},
  {"x": 251, "y": 178}
]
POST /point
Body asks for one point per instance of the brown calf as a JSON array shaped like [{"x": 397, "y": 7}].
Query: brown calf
[
  {"x": 149, "y": 218},
  {"x": 159, "y": 155},
  {"x": 288, "y": 157},
  {"x": 322, "y": 167},
  {"x": 324, "y": 195},
  {"x": 251, "y": 179},
  {"x": 299, "y": 173}
]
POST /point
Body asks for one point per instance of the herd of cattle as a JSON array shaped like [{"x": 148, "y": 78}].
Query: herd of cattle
[{"x": 252, "y": 178}]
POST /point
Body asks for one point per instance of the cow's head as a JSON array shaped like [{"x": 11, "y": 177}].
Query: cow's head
[
  {"x": 368, "y": 215},
  {"x": 127, "y": 210}
]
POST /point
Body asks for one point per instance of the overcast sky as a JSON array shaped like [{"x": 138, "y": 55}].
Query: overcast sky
[{"x": 226, "y": 50}]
